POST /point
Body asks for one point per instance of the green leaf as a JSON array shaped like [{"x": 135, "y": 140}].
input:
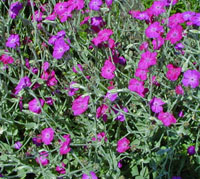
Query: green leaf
[{"x": 134, "y": 171}]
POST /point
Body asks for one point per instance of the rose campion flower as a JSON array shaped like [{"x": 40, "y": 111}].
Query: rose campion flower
[
  {"x": 60, "y": 7},
  {"x": 147, "y": 59},
  {"x": 42, "y": 159},
  {"x": 141, "y": 73},
  {"x": 77, "y": 68},
  {"x": 80, "y": 105},
  {"x": 61, "y": 170},
  {"x": 175, "y": 34},
  {"x": 37, "y": 140},
  {"x": 157, "y": 8},
  {"x": 136, "y": 86},
  {"x": 144, "y": 46},
  {"x": 191, "y": 78},
  {"x": 119, "y": 164},
  {"x": 6, "y": 59},
  {"x": 34, "y": 105},
  {"x": 47, "y": 136},
  {"x": 123, "y": 145},
  {"x": 191, "y": 150},
  {"x": 100, "y": 136},
  {"x": 175, "y": 20},
  {"x": 14, "y": 9},
  {"x": 92, "y": 175},
  {"x": 65, "y": 146},
  {"x": 166, "y": 118},
  {"x": 158, "y": 43},
  {"x": 179, "y": 90},
  {"x": 156, "y": 105},
  {"x": 103, "y": 35},
  {"x": 107, "y": 71},
  {"x": 121, "y": 117},
  {"x": 60, "y": 47},
  {"x": 95, "y": 4},
  {"x": 13, "y": 41},
  {"x": 196, "y": 19},
  {"x": 23, "y": 83},
  {"x": 18, "y": 145},
  {"x": 101, "y": 110},
  {"x": 154, "y": 30},
  {"x": 173, "y": 72}
]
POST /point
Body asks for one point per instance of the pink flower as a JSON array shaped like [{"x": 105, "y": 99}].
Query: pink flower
[
  {"x": 80, "y": 105},
  {"x": 65, "y": 148},
  {"x": 45, "y": 66},
  {"x": 123, "y": 145},
  {"x": 187, "y": 15},
  {"x": 66, "y": 14},
  {"x": 42, "y": 159},
  {"x": 136, "y": 86},
  {"x": 103, "y": 35},
  {"x": 109, "y": 2},
  {"x": 13, "y": 41},
  {"x": 100, "y": 136},
  {"x": 111, "y": 96},
  {"x": 23, "y": 83},
  {"x": 157, "y": 43},
  {"x": 47, "y": 136},
  {"x": 49, "y": 77},
  {"x": 76, "y": 4},
  {"x": 95, "y": 4},
  {"x": 34, "y": 105},
  {"x": 61, "y": 170},
  {"x": 60, "y": 7},
  {"x": 156, "y": 105},
  {"x": 38, "y": 16},
  {"x": 191, "y": 78},
  {"x": 107, "y": 71},
  {"x": 144, "y": 46},
  {"x": 141, "y": 73},
  {"x": 157, "y": 8},
  {"x": 175, "y": 20},
  {"x": 179, "y": 90},
  {"x": 72, "y": 90},
  {"x": 14, "y": 9},
  {"x": 154, "y": 30},
  {"x": 18, "y": 145},
  {"x": 60, "y": 48},
  {"x": 77, "y": 68},
  {"x": 175, "y": 34},
  {"x": 6, "y": 59},
  {"x": 147, "y": 59},
  {"x": 92, "y": 175},
  {"x": 121, "y": 116},
  {"x": 101, "y": 110},
  {"x": 196, "y": 19},
  {"x": 173, "y": 72},
  {"x": 166, "y": 118}
]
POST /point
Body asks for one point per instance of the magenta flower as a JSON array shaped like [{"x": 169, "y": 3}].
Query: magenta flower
[
  {"x": 37, "y": 16},
  {"x": 45, "y": 66},
  {"x": 166, "y": 118},
  {"x": 61, "y": 170},
  {"x": 157, "y": 8},
  {"x": 196, "y": 19},
  {"x": 100, "y": 136},
  {"x": 121, "y": 117},
  {"x": 92, "y": 175},
  {"x": 95, "y": 4},
  {"x": 173, "y": 72},
  {"x": 191, "y": 150},
  {"x": 144, "y": 46},
  {"x": 179, "y": 90},
  {"x": 111, "y": 96},
  {"x": 23, "y": 83},
  {"x": 101, "y": 110},
  {"x": 66, "y": 14},
  {"x": 175, "y": 34},
  {"x": 136, "y": 86},
  {"x": 76, "y": 4},
  {"x": 13, "y": 41},
  {"x": 103, "y": 35},
  {"x": 34, "y": 105},
  {"x": 191, "y": 78},
  {"x": 37, "y": 140},
  {"x": 72, "y": 90},
  {"x": 147, "y": 59},
  {"x": 141, "y": 73},
  {"x": 60, "y": 48},
  {"x": 80, "y": 105},
  {"x": 107, "y": 71},
  {"x": 47, "y": 136},
  {"x": 42, "y": 159},
  {"x": 65, "y": 148},
  {"x": 18, "y": 145},
  {"x": 60, "y": 7},
  {"x": 158, "y": 43},
  {"x": 154, "y": 30},
  {"x": 77, "y": 68},
  {"x": 14, "y": 9},
  {"x": 187, "y": 16},
  {"x": 156, "y": 105},
  {"x": 123, "y": 145},
  {"x": 6, "y": 59},
  {"x": 175, "y": 20},
  {"x": 109, "y": 2}
]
